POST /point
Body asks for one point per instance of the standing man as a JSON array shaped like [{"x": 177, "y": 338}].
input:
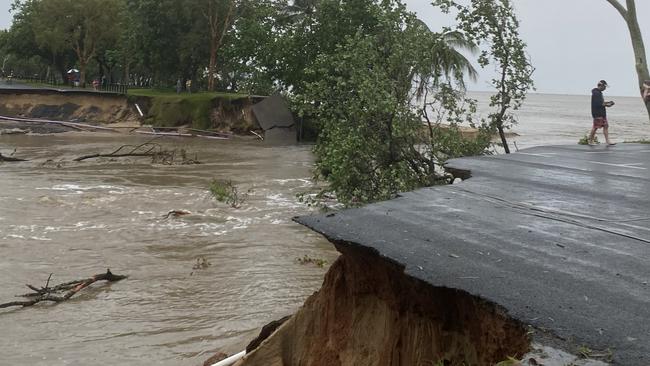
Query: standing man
[{"x": 599, "y": 112}]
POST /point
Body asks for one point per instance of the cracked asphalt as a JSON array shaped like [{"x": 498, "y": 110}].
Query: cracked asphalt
[{"x": 559, "y": 236}]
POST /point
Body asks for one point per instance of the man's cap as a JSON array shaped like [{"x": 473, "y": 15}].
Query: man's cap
[{"x": 603, "y": 82}]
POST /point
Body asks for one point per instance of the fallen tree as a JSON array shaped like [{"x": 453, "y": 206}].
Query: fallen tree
[
  {"x": 148, "y": 149},
  {"x": 62, "y": 292}
]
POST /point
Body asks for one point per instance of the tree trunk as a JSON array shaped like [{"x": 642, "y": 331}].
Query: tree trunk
[
  {"x": 640, "y": 60},
  {"x": 125, "y": 74},
  {"x": 504, "y": 141},
  {"x": 82, "y": 73},
  {"x": 213, "y": 65},
  {"x": 217, "y": 32}
]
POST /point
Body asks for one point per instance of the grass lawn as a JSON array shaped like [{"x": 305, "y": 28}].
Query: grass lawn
[
  {"x": 169, "y": 109},
  {"x": 172, "y": 95}
]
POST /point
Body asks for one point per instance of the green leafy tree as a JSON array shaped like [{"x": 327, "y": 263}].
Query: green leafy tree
[
  {"x": 163, "y": 38},
  {"x": 312, "y": 29},
  {"x": 494, "y": 24},
  {"x": 220, "y": 15},
  {"x": 251, "y": 48},
  {"x": 23, "y": 45},
  {"x": 373, "y": 142},
  {"x": 629, "y": 14},
  {"x": 80, "y": 25}
]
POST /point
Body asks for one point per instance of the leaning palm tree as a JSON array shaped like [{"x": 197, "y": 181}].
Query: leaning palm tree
[
  {"x": 448, "y": 57},
  {"x": 447, "y": 60}
]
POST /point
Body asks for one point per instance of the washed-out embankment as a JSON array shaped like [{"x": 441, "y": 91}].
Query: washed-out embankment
[
  {"x": 201, "y": 111},
  {"x": 369, "y": 312}
]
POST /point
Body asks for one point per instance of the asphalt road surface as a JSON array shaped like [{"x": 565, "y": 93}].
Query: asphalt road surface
[
  {"x": 559, "y": 236},
  {"x": 5, "y": 84}
]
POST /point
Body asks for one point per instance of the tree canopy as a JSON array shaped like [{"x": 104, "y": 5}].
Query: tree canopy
[{"x": 386, "y": 93}]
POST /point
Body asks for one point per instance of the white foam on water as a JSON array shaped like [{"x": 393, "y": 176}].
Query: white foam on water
[
  {"x": 37, "y": 238},
  {"x": 14, "y": 236}
]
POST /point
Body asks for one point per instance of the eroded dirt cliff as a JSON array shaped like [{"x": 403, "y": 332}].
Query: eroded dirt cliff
[
  {"x": 369, "y": 313},
  {"x": 93, "y": 108}
]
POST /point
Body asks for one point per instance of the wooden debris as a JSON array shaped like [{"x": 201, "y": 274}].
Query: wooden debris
[
  {"x": 62, "y": 292},
  {"x": 219, "y": 356},
  {"x": 148, "y": 149},
  {"x": 176, "y": 213},
  {"x": 266, "y": 332},
  {"x": 9, "y": 158}
]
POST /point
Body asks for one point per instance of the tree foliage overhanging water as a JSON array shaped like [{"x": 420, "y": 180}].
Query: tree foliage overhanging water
[{"x": 374, "y": 80}]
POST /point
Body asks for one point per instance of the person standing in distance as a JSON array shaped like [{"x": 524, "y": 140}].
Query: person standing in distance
[{"x": 599, "y": 112}]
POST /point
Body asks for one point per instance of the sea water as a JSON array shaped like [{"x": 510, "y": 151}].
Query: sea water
[{"x": 552, "y": 119}]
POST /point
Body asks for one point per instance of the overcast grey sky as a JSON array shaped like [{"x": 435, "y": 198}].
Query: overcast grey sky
[{"x": 572, "y": 43}]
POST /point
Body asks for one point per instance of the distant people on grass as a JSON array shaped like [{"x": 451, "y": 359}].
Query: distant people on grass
[
  {"x": 188, "y": 85},
  {"x": 599, "y": 113},
  {"x": 179, "y": 86},
  {"x": 96, "y": 84}
]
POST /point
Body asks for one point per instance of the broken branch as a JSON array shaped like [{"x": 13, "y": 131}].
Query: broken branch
[
  {"x": 61, "y": 292},
  {"x": 145, "y": 149},
  {"x": 155, "y": 151}
]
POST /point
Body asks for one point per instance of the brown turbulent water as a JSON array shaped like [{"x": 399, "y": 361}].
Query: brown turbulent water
[{"x": 81, "y": 218}]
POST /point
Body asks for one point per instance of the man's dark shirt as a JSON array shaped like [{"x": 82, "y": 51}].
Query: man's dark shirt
[{"x": 597, "y": 101}]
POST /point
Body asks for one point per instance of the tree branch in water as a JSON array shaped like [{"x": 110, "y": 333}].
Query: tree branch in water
[
  {"x": 146, "y": 149},
  {"x": 155, "y": 151},
  {"x": 62, "y": 292}
]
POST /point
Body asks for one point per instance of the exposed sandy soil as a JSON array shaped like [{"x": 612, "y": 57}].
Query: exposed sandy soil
[
  {"x": 369, "y": 313},
  {"x": 78, "y": 107}
]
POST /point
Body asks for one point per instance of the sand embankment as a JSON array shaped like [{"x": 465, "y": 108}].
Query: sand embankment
[
  {"x": 226, "y": 113},
  {"x": 369, "y": 312},
  {"x": 76, "y": 106}
]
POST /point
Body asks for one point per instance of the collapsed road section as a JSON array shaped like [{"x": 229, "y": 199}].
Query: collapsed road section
[{"x": 551, "y": 243}]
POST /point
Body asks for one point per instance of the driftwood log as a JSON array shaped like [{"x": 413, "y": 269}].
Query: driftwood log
[
  {"x": 9, "y": 158},
  {"x": 62, "y": 292}
]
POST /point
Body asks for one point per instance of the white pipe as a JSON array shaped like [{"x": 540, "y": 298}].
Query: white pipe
[
  {"x": 231, "y": 360},
  {"x": 139, "y": 110},
  {"x": 69, "y": 124}
]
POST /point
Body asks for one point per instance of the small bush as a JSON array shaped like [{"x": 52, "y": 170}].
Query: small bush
[
  {"x": 227, "y": 192},
  {"x": 585, "y": 140},
  {"x": 309, "y": 260}
]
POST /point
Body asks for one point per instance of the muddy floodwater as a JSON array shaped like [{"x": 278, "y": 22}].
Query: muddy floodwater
[{"x": 78, "y": 219}]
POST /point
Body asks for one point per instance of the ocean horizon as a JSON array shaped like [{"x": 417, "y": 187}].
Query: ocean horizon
[{"x": 557, "y": 119}]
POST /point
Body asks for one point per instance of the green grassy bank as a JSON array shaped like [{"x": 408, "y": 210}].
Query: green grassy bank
[{"x": 169, "y": 109}]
